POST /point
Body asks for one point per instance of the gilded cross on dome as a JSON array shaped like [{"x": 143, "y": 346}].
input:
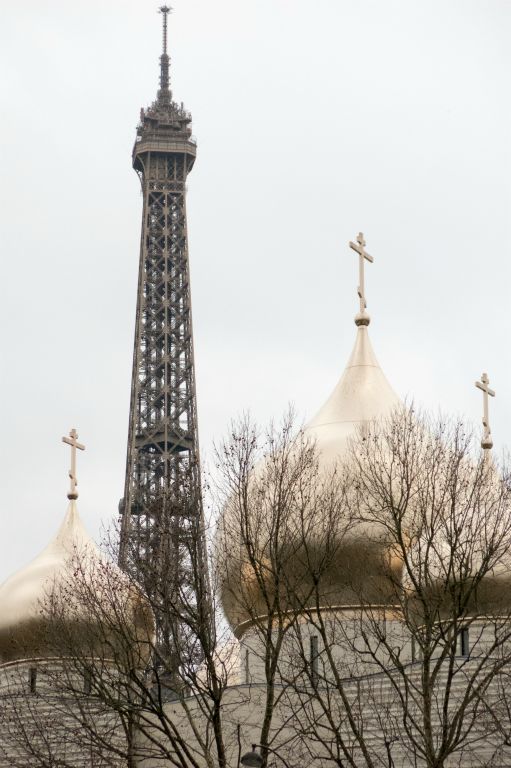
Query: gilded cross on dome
[
  {"x": 363, "y": 256},
  {"x": 486, "y": 442},
  {"x": 72, "y": 440}
]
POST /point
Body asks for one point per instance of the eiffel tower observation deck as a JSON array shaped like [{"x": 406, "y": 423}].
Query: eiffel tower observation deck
[
  {"x": 161, "y": 508},
  {"x": 164, "y": 129}
]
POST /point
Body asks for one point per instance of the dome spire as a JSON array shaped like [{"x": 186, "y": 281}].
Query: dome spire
[
  {"x": 362, "y": 318},
  {"x": 164, "y": 94},
  {"x": 72, "y": 440},
  {"x": 486, "y": 442},
  {"x": 362, "y": 394}
]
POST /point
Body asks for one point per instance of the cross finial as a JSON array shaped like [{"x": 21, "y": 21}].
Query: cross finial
[
  {"x": 73, "y": 442},
  {"x": 359, "y": 247},
  {"x": 486, "y": 442}
]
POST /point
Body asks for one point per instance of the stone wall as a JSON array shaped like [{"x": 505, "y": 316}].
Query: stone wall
[{"x": 45, "y": 714}]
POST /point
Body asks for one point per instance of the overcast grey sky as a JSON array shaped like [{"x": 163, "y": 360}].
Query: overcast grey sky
[{"x": 314, "y": 120}]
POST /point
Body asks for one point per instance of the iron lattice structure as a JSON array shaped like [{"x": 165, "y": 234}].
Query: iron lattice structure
[{"x": 162, "y": 500}]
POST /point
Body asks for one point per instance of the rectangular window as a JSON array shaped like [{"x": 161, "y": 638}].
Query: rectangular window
[
  {"x": 464, "y": 648},
  {"x": 87, "y": 683},
  {"x": 247, "y": 667},
  {"x": 32, "y": 679},
  {"x": 313, "y": 658}
]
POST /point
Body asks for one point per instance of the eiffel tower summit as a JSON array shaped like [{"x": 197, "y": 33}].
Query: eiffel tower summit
[{"x": 162, "y": 485}]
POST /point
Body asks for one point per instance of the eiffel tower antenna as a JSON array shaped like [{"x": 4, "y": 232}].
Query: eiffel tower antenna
[{"x": 165, "y": 91}]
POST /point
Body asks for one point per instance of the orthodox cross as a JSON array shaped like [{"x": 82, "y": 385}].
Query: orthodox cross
[
  {"x": 486, "y": 442},
  {"x": 363, "y": 256},
  {"x": 73, "y": 442}
]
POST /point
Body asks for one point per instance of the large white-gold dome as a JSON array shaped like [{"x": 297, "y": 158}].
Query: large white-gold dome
[{"x": 360, "y": 569}]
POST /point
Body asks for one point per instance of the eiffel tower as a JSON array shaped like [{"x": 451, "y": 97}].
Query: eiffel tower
[{"x": 161, "y": 510}]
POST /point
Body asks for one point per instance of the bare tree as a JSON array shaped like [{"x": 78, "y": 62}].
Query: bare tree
[
  {"x": 273, "y": 496},
  {"x": 369, "y": 604},
  {"x": 413, "y": 670},
  {"x": 113, "y": 666},
  {"x": 109, "y": 680}
]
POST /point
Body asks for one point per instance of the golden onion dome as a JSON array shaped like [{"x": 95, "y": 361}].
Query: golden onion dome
[
  {"x": 460, "y": 563},
  {"x": 357, "y": 560},
  {"x": 360, "y": 569},
  {"x": 44, "y": 609}
]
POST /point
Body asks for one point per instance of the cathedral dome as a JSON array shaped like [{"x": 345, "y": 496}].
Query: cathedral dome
[
  {"x": 359, "y": 571},
  {"x": 460, "y": 564},
  {"x": 43, "y": 605}
]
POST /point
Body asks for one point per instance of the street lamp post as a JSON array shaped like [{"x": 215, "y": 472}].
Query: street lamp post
[{"x": 254, "y": 759}]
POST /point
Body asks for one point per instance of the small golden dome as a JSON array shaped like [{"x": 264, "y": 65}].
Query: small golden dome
[
  {"x": 460, "y": 564},
  {"x": 55, "y": 582}
]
